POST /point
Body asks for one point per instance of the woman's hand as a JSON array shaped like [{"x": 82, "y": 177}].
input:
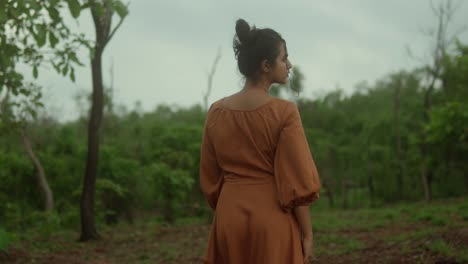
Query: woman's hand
[{"x": 307, "y": 248}]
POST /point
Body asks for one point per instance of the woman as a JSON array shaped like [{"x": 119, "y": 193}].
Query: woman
[{"x": 256, "y": 169}]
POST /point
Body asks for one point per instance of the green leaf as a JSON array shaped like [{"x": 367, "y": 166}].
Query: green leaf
[
  {"x": 120, "y": 8},
  {"x": 14, "y": 90},
  {"x": 72, "y": 74},
  {"x": 32, "y": 112},
  {"x": 65, "y": 70},
  {"x": 41, "y": 35},
  {"x": 54, "y": 14},
  {"x": 53, "y": 39},
  {"x": 37, "y": 96},
  {"x": 34, "y": 5},
  {"x": 39, "y": 104},
  {"x": 98, "y": 8},
  {"x": 56, "y": 66},
  {"x": 75, "y": 8},
  {"x": 72, "y": 56},
  {"x": 25, "y": 91},
  {"x": 3, "y": 17},
  {"x": 86, "y": 5},
  {"x": 35, "y": 73},
  {"x": 54, "y": 2}
]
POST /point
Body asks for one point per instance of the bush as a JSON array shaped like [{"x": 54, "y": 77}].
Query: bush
[{"x": 5, "y": 240}]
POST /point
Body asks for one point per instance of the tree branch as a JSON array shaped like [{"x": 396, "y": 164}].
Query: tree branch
[
  {"x": 114, "y": 30},
  {"x": 109, "y": 36}
]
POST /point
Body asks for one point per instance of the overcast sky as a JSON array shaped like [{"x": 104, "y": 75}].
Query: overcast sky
[{"x": 164, "y": 49}]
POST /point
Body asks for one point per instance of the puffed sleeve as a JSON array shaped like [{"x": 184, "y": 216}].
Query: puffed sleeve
[
  {"x": 211, "y": 179},
  {"x": 296, "y": 176}
]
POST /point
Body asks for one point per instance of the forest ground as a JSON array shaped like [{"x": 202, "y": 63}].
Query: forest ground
[{"x": 405, "y": 233}]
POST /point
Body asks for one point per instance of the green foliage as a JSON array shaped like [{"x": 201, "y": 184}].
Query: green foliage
[
  {"x": 74, "y": 7},
  {"x": 26, "y": 26},
  {"x": 173, "y": 186},
  {"x": 120, "y": 8},
  {"x": 34, "y": 33},
  {"x": 47, "y": 223},
  {"x": 463, "y": 211},
  {"x": 337, "y": 245},
  {"x": 449, "y": 125},
  {"x": 441, "y": 247},
  {"x": 149, "y": 161},
  {"x": 5, "y": 241}
]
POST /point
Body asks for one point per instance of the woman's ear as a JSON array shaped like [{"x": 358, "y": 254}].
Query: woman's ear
[{"x": 265, "y": 66}]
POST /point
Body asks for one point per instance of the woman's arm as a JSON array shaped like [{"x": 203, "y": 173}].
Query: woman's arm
[{"x": 303, "y": 218}]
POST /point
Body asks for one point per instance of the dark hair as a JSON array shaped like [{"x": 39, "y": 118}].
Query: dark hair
[{"x": 253, "y": 45}]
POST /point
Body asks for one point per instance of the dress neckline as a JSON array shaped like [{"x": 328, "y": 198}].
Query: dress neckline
[{"x": 221, "y": 104}]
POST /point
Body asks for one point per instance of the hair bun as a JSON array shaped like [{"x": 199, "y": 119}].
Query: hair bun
[
  {"x": 242, "y": 30},
  {"x": 252, "y": 45}
]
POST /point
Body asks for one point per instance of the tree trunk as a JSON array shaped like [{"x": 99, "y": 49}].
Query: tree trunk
[
  {"x": 426, "y": 169},
  {"x": 370, "y": 184},
  {"x": 331, "y": 201},
  {"x": 102, "y": 25},
  {"x": 345, "y": 195},
  {"x": 426, "y": 179},
  {"x": 88, "y": 227},
  {"x": 444, "y": 13},
  {"x": 399, "y": 158},
  {"x": 40, "y": 174}
]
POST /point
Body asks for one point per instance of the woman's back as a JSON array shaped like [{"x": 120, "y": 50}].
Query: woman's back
[
  {"x": 256, "y": 169},
  {"x": 245, "y": 140},
  {"x": 256, "y": 166}
]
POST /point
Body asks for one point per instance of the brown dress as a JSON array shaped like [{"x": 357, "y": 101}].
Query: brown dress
[{"x": 255, "y": 167}]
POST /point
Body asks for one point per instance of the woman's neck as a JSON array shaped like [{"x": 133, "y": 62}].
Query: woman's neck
[{"x": 262, "y": 85}]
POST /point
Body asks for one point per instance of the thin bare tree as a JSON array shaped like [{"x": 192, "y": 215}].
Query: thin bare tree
[
  {"x": 210, "y": 79},
  {"x": 444, "y": 12},
  {"x": 39, "y": 172},
  {"x": 19, "y": 124}
]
